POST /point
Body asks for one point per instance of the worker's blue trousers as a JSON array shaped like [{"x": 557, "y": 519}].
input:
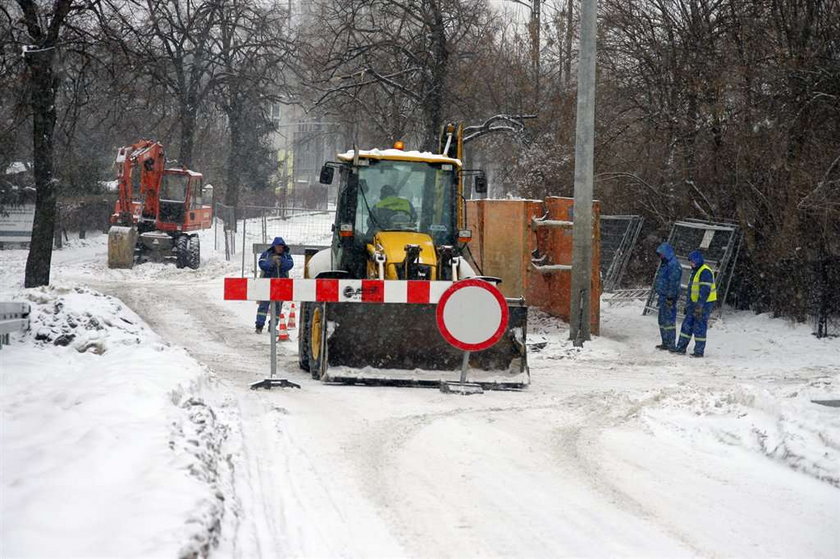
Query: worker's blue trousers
[
  {"x": 667, "y": 321},
  {"x": 262, "y": 312},
  {"x": 695, "y": 326}
]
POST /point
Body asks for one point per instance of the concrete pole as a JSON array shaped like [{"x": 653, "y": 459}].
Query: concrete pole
[{"x": 584, "y": 172}]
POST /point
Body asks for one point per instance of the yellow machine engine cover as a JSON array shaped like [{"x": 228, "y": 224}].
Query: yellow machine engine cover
[
  {"x": 121, "y": 244},
  {"x": 392, "y": 244}
]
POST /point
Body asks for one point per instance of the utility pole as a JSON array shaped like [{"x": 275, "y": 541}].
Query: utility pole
[
  {"x": 584, "y": 171},
  {"x": 534, "y": 31}
]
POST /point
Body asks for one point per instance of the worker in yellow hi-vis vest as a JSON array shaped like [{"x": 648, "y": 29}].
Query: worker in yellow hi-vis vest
[
  {"x": 393, "y": 211},
  {"x": 701, "y": 297}
]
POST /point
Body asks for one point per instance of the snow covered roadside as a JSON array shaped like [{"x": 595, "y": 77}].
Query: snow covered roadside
[{"x": 107, "y": 448}]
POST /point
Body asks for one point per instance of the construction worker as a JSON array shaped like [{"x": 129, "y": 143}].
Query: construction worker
[
  {"x": 274, "y": 263},
  {"x": 391, "y": 209},
  {"x": 667, "y": 286},
  {"x": 701, "y": 297}
]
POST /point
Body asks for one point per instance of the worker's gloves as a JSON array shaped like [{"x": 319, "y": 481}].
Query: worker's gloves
[
  {"x": 698, "y": 312},
  {"x": 275, "y": 258},
  {"x": 669, "y": 301}
]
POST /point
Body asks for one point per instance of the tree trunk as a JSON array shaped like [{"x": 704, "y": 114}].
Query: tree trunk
[
  {"x": 235, "y": 157},
  {"x": 188, "y": 118},
  {"x": 433, "y": 109},
  {"x": 43, "y": 85}
]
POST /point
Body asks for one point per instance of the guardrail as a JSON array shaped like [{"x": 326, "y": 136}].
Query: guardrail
[{"x": 14, "y": 317}]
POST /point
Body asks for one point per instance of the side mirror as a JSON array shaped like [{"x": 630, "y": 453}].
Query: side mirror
[
  {"x": 480, "y": 184},
  {"x": 327, "y": 173}
]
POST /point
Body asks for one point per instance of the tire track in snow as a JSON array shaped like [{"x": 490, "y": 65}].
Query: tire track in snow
[
  {"x": 390, "y": 444},
  {"x": 285, "y": 500}
]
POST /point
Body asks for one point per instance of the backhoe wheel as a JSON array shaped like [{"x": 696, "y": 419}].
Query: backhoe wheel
[
  {"x": 193, "y": 252},
  {"x": 317, "y": 342},
  {"x": 303, "y": 337},
  {"x": 181, "y": 250}
]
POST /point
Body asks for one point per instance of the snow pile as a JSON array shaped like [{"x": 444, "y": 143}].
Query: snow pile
[
  {"x": 107, "y": 450},
  {"x": 781, "y": 423},
  {"x": 86, "y": 320}
]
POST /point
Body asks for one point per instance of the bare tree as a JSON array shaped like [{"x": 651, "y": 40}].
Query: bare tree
[
  {"x": 398, "y": 52},
  {"x": 42, "y": 40},
  {"x": 169, "y": 41},
  {"x": 251, "y": 49}
]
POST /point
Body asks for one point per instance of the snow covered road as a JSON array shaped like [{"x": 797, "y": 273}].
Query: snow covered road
[{"x": 615, "y": 449}]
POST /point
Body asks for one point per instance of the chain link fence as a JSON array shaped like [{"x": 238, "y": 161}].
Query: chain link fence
[{"x": 224, "y": 229}]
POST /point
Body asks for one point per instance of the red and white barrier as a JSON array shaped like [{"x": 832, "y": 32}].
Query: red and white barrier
[{"x": 335, "y": 290}]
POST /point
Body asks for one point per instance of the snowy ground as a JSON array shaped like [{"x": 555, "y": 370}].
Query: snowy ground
[{"x": 128, "y": 429}]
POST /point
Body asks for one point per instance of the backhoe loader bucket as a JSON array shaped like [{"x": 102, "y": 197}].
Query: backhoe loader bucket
[
  {"x": 121, "y": 245},
  {"x": 399, "y": 344}
]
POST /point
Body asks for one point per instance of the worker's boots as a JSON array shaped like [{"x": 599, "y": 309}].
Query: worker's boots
[{"x": 258, "y": 329}]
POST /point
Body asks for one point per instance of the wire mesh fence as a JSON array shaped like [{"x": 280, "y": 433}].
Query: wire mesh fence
[
  {"x": 618, "y": 237},
  {"x": 299, "y": 227},
  {"x": 720, "y": 244},
  {"x": 224, "y": 229},
  {"x": 246, "y": 229}
]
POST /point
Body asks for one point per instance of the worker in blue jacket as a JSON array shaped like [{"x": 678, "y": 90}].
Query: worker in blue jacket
[
  {"x": 667, "y": 286},
  {"x": 700, "y": 299},
  {"x": 274, "y": 263}
]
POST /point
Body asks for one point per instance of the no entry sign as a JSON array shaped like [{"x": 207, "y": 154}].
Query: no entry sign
[{"x": 472, "y": 315}]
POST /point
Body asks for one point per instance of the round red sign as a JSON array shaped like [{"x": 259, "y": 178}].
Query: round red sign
[{"x": 472, "y": 314}]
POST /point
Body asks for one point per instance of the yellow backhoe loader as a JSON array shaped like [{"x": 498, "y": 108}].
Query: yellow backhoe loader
[{"x": 400, "y": 215}]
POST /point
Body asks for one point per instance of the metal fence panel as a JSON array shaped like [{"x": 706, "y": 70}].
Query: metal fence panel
[
  {"x": 299, "y": 227},
  {"x": 618, "y": 237}
]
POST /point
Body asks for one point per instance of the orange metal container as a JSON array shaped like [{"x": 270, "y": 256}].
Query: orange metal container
[{"x": 504, "y": 242}]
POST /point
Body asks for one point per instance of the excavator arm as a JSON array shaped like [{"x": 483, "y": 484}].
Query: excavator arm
[{"x": 142, "y": 164}]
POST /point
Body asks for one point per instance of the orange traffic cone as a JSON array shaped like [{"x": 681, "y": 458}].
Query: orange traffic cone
[
  {"x": 292, "y": 318},
  {"x": 282, "y": 333}
]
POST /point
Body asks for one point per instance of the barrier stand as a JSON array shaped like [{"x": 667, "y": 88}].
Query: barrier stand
[
  {"x": 472, "y": 315},
  {"x": 267, "y": 383}
]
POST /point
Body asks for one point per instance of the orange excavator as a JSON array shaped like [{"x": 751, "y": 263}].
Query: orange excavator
[{"x": 157, "y": 210}]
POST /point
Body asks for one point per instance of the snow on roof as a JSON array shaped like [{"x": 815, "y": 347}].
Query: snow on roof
[{"x": 398, "y": 154}]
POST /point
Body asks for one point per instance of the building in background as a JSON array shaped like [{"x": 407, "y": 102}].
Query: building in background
[{"x": 303, "y": 144}]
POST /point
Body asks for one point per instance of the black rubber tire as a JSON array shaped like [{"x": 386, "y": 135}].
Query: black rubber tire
[
  {"x": 318, "y": 310},
  {"x": 193, "y": 258},
  {"x": 304, "y": 335},
  {"x": 181, "y": 250}
]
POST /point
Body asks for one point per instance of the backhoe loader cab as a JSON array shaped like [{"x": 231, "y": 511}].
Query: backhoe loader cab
[
  {"x": 399, "y": 216},
  {"x": 388, "y": 201}
]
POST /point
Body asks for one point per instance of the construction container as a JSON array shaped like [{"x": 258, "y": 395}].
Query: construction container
[{"x": 513, "y": 240}]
